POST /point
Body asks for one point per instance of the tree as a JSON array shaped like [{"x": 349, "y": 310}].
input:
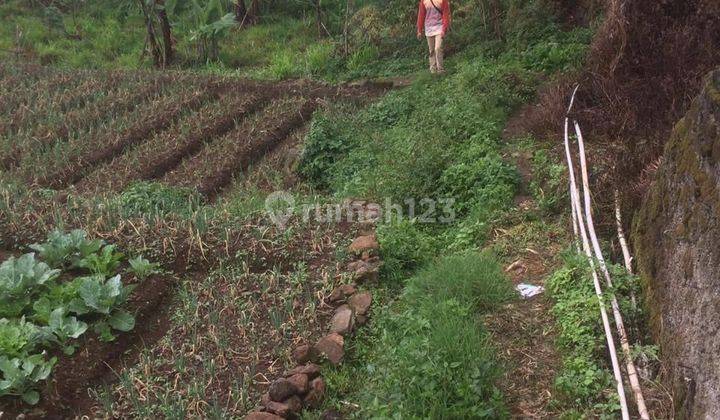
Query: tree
[{"x": 159, "y": 36}]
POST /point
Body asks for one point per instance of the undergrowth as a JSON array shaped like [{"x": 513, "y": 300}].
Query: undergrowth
[
  {"x": 585, "y": 384},
  {"x": 428, "y": 356}
]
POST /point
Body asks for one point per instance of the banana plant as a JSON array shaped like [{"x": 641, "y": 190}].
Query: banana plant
[{"x": 210, "y": 22}]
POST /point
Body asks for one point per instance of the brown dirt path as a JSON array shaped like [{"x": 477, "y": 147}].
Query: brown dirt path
[{"x": 524, "y": 330}]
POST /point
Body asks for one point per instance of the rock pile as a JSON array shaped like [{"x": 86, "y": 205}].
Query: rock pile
[{"x": 303, "y": 386}]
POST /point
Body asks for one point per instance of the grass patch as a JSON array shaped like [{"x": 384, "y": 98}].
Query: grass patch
[{"x": 427, "y": 354}]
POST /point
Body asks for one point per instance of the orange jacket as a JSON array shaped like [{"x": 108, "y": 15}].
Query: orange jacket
[{"x": 422, "y": 12}]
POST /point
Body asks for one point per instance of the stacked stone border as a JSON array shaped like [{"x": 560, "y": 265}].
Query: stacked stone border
[{"x": 303, "y": 387}]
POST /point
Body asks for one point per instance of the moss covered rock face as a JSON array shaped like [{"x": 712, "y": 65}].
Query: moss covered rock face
[{"x": 677, "y": 240}]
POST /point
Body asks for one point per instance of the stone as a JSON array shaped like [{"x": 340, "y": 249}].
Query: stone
[
  {"x": 341, "y": 293},
  {"x": 332, "y": 347},
  {"x": 343, "y": 320},
  {"x": 676, "y": 237},
  {"x": 360, "y": 302},
  {"x": 300, "y": 381},
  {"x": 360, "y": 320},
  {"x": 294, "y": 403},
  {"x": 261, "y": 415},
  {"x": 311, "y": 370},
  {"x": 364, "y": 271},
  {"x": 364, "y": 243},
  {"x": 280, "y": 408},
  {"x": 281, "y": 389},
  {"x": 316, "y": 395},
  {"x": 301, "y": 354},
  {"x": 265, "y": 399},
  {"x": 347, "y": 289}
]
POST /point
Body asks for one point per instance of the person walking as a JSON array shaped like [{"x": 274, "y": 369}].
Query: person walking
[{"x": 434, "y": 18}]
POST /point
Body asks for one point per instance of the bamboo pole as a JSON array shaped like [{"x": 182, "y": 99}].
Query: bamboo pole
[
  {"x": 575, "y": 197},
  {"x": 619, "y": 324},
  {"x": 627, "y": 258},
  {"x": 570, "y": 184},
  {"x": 621, "y": 234}
]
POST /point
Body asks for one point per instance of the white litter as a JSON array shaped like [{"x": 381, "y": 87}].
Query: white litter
[{"x": 528, "y": 290}]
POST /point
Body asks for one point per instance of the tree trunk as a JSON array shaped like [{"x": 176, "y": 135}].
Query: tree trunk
[
  {"x": 254, "y": 14},
  {"x": 161, "y": 46},
  {"x": 240, "y": 11},
  {"x": 166, "y": 34},
  {"x": 318, "y": 17},
  {"x": 496, "y": 11}
]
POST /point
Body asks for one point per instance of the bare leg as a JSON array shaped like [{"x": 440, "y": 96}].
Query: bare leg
[
  {"x": 439, "y": 54},
  {"x": 432, "y": 48}
]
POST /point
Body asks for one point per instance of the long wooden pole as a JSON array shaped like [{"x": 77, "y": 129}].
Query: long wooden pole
[
  {"x": 627, "y": 258},
  {"x": 575, "y": 197},
  {"x": 570, "y": 184},
  {"x": 619, "y": 324}
]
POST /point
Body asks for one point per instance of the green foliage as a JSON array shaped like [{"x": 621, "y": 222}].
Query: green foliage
[
  {"x": 142, "y": 268},
  {"x": 41, "y": 310},
  {"x": 549, "y": 183},
  {"x": 20, "y": 376},
  {"x": 104, "y": 262},
  {"x": 20, "y": 280},
  {"x": 429, "y": 356},
  {"x": 404, "y": 247},
  {"x": 282, "y": 65},
  {"x": 62, "y": 250},
  {"x": 154, "y": 199},
  {"x": 206, "y": 23},
  {"x": 584, "y": 383},
  {"x": 19, "y": 337},
  {"x": 323, "y": 147}
]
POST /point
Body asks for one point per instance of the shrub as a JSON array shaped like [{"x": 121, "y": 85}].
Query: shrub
[{"x": 404, "y": 247}]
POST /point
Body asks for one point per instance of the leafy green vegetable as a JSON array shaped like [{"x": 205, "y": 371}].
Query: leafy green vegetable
[
  {"x": 56, "y": 296},
  {"x": 104, "y": 262},
  {"x": 19, "y": 279},
  {"x": 66, "y": 327},
  {"x": 38, "y": 313},
  {"x": 19, "y": 376},
  {"x": 62, "y": 250},
  {"x": 98, "y": 295},
  {"x": 142, "y": 268}
]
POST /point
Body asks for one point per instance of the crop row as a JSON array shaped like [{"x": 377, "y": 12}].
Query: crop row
[
  {"x": 167, "y": 149},
  {"x": 70, "y": 97},
  {"x": 105, "y": 145},
  {"x": 213, "y": 168},
  {"x": 49, "y": 120}
]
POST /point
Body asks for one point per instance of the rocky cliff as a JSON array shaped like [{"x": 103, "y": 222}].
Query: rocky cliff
[{"x": 677, "y": 241}]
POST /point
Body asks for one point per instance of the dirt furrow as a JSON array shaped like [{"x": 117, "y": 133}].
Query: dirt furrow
[
  {"x": 213, "y": 169},
  {"x": 169, "y": 148},
  {"x": 250, "y": 152},
  {"x": 75, "y": 169}
]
